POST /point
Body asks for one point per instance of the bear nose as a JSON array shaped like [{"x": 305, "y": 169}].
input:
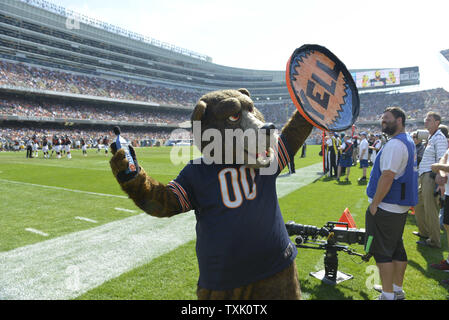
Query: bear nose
[{"x": 268, "y": 126}]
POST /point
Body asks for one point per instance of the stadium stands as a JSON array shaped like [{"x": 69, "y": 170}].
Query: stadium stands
[
  {"x": 21, "y": 75},
  {"x": 65, "y": 72},
  {"x": 70, "y": 111}
]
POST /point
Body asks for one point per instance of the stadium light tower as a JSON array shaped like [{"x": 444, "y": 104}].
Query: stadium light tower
[{"x": 444, "y": 61}]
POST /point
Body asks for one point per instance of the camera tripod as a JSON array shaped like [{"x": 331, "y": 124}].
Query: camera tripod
[{"x": 330, "y": 275}]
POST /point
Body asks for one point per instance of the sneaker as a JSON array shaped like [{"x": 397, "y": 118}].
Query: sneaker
[
  {"x": 362, "y": 179},
  {"x": 427, "y": 243},
  {"x": 416, "y": 233},
  {"x": 398, "y": 295},
  {"x": 443, "y": 265},
  {"x": 382, "y": 297},
  {"x": 377, "y": 287}
]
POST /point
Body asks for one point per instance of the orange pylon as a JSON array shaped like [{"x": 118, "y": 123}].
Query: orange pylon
[{"x": 347, "y": 217}]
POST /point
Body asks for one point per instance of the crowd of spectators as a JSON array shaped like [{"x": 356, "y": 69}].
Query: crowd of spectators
[
  {"x": 416, "y": 104},
  {"x": 277, "y": 113},
  {"x": 21, "y": 107},
  {"x": 23, "y": 75}
]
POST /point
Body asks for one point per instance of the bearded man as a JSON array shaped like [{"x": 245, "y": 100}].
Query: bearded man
[{"x": 392, "y": 190}]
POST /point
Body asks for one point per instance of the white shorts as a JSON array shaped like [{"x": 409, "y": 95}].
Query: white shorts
[
  {"x": 57, "y": 148},
  {"x": 35, "y": 147},
  {"x": 67, "y": 148},
  {"x": 84, "y": 148},
  {"x": 45, "y": 149}
]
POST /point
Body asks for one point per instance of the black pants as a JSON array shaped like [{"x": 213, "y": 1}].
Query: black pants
[
  {"x": 333, "y": 163},
  {"x": 29, "y": 152},
  {"x": 303, "y": 151},
  {"x": 384, "y": 235},
  {"x": 446, "y": 210}
]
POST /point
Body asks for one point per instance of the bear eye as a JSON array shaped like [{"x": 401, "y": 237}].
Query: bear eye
[{"x": 234, "y": 118}]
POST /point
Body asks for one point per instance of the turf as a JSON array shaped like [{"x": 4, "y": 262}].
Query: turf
[
  {"x": 174, "y": 274},
  {"x": 53, "y": 211}
]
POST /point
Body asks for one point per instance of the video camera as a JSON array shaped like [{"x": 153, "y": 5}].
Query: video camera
[
  {"x": 340, "y": 234},
  {"x": 307, "y": 237}
]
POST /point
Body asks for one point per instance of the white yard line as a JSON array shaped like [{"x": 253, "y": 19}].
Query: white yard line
[
  {"x": 67, "y": 266},
  {"x": 86, "y": 219},
  {"x": 70, "y": 265},
  {"x": 37, "y": 232},
  {"x": 64, "y": 189},
  {"x": 62, "y": 164},
  {"x": 125, "y": 210}
]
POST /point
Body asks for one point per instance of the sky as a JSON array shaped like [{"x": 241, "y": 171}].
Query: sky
[{"x": 263, "y": 34}]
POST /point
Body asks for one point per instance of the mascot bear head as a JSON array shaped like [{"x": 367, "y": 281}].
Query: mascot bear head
[{"x": 228, "y": 129}]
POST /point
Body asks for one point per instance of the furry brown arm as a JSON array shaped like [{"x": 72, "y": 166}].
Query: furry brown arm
[
  {"x": 151, "y": 196},
  {"x": 296, "y": 131}
]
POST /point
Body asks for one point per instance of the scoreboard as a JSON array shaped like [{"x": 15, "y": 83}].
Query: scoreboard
[{"x": 385, "y": 78}]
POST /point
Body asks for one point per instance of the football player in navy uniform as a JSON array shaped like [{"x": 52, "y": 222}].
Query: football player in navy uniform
[
  {"x": 99, "y": 144},
  {"x": 67, "y": 145},
  {"x": 62, "y": 146},
  {"x": 57, "y": 146},
  {"x": 45, "y": 147},
  {"x": 29, "y": 146},
  {"x": 84, "y": 147},
  {"x": 106, "y": 144}
]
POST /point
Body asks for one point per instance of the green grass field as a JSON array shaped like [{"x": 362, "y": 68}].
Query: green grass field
[{"x": 46, "y": 201}]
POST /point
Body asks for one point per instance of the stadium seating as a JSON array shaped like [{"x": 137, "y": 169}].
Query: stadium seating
[
  {"x": 36, "y": 54},
  {"x": 71, "y": 111}
]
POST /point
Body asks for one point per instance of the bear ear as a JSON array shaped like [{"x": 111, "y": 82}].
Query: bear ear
[
  {"x": 199, "y": 111},
  {"x": 244, "y": 91}
]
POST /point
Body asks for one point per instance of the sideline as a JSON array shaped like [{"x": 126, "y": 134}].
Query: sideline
[
  {"x": 64, "y": 189},
  {"x": 70, "y": 265}
]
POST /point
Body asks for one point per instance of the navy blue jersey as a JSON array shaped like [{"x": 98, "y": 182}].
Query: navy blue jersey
[{"x": 241, "y": 234}]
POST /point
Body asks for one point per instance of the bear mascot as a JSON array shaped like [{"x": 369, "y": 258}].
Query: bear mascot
[{"x": 242, "y": 245}]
